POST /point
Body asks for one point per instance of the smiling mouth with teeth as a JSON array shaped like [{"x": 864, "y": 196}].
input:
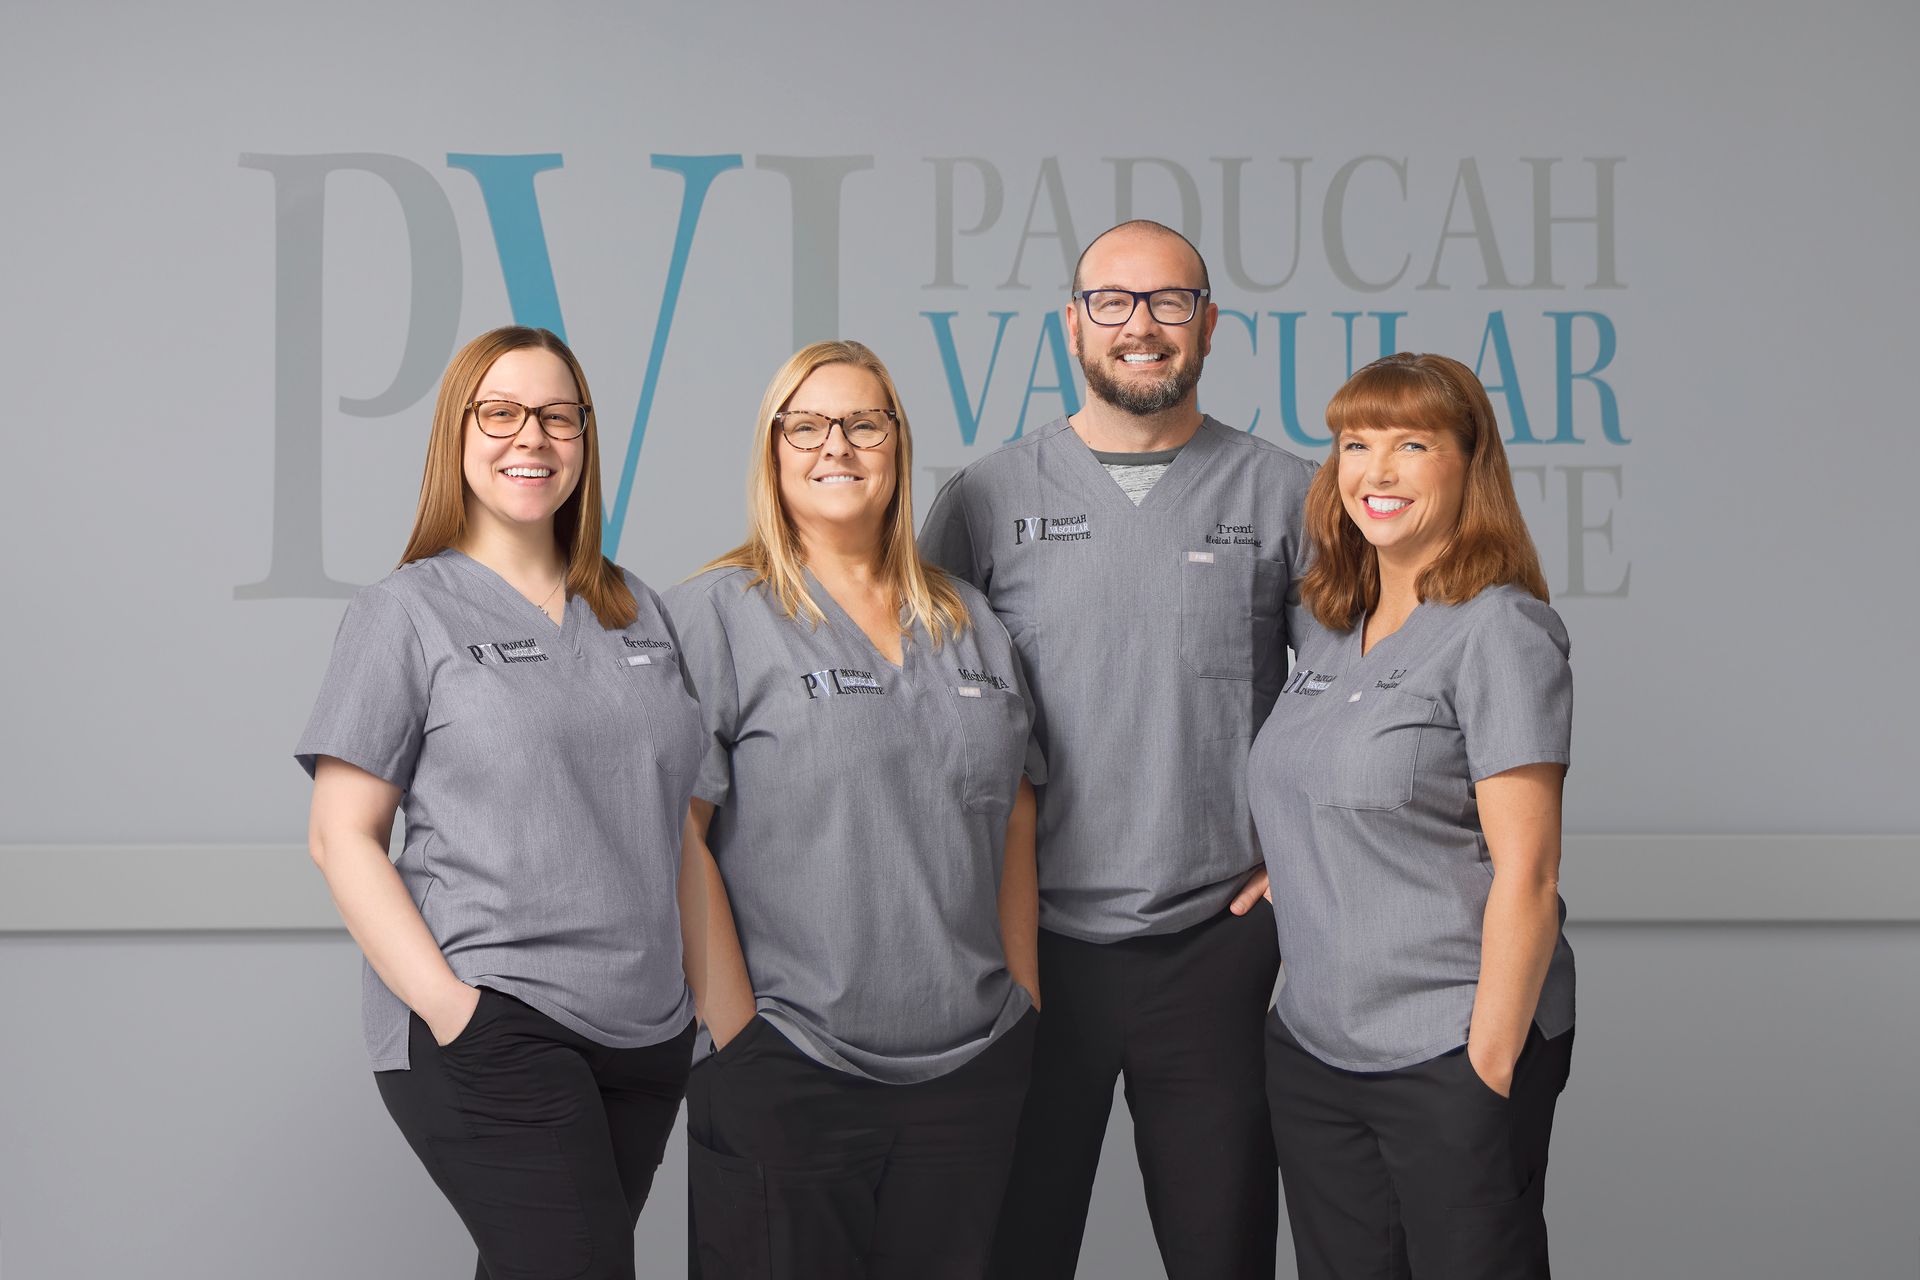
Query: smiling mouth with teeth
[
  {"x": 526, "y": 473},
  {"x": 1143, "y": 357},
  {"x": 836, "y": 479},
  {"x": 1387, "y": 506}
]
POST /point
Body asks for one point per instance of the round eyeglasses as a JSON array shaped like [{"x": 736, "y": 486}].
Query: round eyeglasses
[
  {"x": 863, "y": 428},
  {"x": 562, "y": 420},
  {"x": 1112, "y": 307}
]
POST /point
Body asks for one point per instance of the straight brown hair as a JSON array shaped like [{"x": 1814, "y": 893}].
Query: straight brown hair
[
  {"x": 772, "y": 549},
  {"x": 441, "y": 518},
  {"x": 1490, "y": 545}
]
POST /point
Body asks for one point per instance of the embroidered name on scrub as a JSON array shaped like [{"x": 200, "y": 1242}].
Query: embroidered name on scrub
[
  {"x": 840, "y": 680},
  {"x": 507, "y": 651},
  {"x": 983, "y": 677},
  {"x": 1234, "y": 535},
  {"x": 1050, "y": 529}
]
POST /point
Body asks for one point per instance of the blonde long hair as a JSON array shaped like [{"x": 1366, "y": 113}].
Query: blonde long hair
[
  {"x": 441, "y": 518},
  {"x": 772, "y": 550},
  {"x": 1490, "y": 545}
]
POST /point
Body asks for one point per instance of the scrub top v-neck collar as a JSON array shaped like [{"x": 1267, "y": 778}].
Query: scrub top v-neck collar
[
  {"x": 1356, "y": 643},
  {"x": 839, "y": 619},
  {"x": 566, "y": 629},
  {"x": 1193, "y": 458}
]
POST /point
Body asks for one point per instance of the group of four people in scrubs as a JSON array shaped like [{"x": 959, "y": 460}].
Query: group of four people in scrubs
[{"x": 865, "y": 805}]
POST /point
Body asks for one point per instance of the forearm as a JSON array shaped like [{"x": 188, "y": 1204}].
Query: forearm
[
  {"x": 381, "y": 917},
  {"x": 716, "y": 967},
  {"x": 1020, "y": 895},
  {"x": 1520, "y": 929}
]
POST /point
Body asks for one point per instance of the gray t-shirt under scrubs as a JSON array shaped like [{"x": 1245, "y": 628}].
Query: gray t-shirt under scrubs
[
  {"x": 1155, "y": 639},
  {"x": 545, "y": 773},
  {"x": 860, "y": 822},
  {"x": 1362, "y": 785}
]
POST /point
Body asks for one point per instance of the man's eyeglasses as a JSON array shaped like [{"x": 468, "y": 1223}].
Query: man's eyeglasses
[
  {"x": 562, "y": 420},
  {"x": 863, "y": 428},
  {"x": 1112, "y": 307}
]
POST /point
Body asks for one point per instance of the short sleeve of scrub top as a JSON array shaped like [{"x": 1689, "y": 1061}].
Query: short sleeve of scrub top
[
  {"x": 860, "y": 822},
  {"x": 708, "y": 658},
  {"x": 372, "y": 707},
  {"x": 946, "y": 536},
  {"x": 1514, "y": 695}
]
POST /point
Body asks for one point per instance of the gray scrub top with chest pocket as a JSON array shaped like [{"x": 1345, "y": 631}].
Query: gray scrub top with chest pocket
[
  {"x": 545, "y": 773},
  {"x": 1155, "y": 640},
  {"x": 1362, "y": 786},
  {"x": 860, "y": 822}
]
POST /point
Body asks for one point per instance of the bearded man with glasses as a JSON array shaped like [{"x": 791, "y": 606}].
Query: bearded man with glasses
[{"x": 1141, "y": 555}]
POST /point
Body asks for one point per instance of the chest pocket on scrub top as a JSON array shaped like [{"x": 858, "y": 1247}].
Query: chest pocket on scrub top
[
  {"x": 1366, "y": 756},
  {"x": 649, "y": 683},
  {"x": 993, "y": 726},
  {"x": 1229, "y": 612}
]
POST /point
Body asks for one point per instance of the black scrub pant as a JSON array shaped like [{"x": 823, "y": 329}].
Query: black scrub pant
[
  {"x": 1179, "y": 1016},
  {"x": 797, "y": 1171},
  {"x": 544, "y": 1141},
  {"x": 1421, "y": 1172}
]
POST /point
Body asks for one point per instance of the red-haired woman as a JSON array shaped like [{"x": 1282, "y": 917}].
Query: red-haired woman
[
  {"x": 520, "y": 697},
  {"x": 1407, "y": 793}
]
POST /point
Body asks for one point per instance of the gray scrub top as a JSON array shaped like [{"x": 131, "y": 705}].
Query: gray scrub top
[
  {"x": 860, "y": 822},
  {"x": 545, "y": 773},
  {"x": 1362, "y": 785},
  {"x": 1155, "y": 639}
]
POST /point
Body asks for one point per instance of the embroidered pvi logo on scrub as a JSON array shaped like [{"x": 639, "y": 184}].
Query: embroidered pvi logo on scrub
[
  {"x": 1308, "y": 684},
  {"x": 837, "y": 680},
  {"x": 1050, "y": 529},
  {"x": 507, "y": 651}
]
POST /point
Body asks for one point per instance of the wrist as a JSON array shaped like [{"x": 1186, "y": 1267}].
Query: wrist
[
  {"x": 1492, "y": 1058},
  {"x": 451, "y": 1004}
]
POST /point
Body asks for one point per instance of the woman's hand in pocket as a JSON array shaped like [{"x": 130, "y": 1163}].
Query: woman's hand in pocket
[
  {"x": 1495, "y": 1068},
  {"x": 449, "y": 1018}
]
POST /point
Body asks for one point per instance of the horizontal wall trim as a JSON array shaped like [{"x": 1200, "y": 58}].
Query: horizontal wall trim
[{"x": 1606, "y": 880}]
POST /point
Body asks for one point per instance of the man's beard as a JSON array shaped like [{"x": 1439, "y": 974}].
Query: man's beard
[{"x": 1142, "y": 399}]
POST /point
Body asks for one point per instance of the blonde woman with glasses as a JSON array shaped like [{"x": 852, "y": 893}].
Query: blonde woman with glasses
[{"x": 861, "y": 843}]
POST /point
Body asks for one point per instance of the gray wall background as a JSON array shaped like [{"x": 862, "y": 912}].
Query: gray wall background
[{"x": 181, "y": 1087}]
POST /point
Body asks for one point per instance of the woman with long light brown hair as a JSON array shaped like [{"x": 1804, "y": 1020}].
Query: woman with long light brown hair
[
  {"x": 862, "y": 839},
  {"x": 520, "y": 697},
  {"x": 1407, "y": 793}
]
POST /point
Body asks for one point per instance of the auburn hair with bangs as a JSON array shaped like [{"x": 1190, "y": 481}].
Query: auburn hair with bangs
[
  {"x": 772, "y": 551},
  {"x": 441, "y": 518},
  {"x": 1490, "y": 545}
]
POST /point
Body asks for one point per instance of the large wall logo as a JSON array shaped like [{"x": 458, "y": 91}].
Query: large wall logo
[{"x": 1335, "y": 238}]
